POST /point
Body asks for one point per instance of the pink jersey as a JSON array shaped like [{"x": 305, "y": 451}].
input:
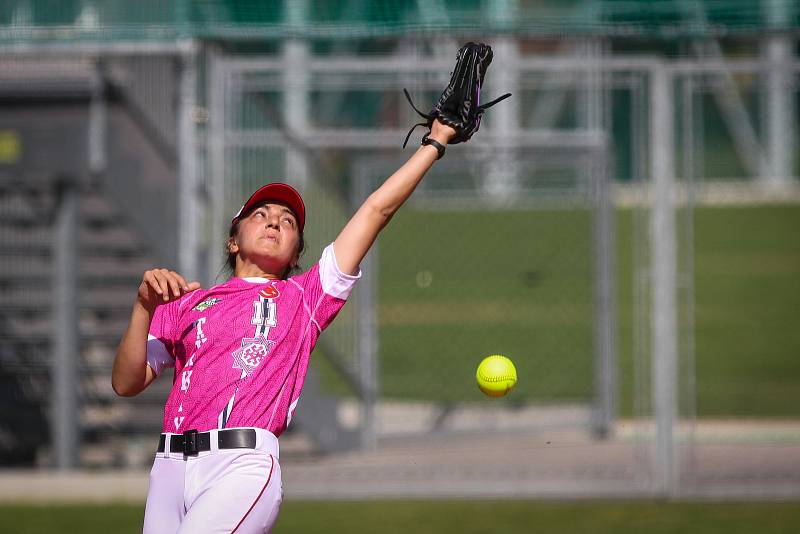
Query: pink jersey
[{"x": 241, "y": 349}]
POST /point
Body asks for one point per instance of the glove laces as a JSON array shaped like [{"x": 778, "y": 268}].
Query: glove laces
[{"x": 429, "y": 117}]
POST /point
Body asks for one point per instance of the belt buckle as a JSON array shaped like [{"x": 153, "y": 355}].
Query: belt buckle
[{"x": 190, "y": 442}]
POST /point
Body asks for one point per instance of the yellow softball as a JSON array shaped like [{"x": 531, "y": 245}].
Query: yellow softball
[{"x": 496, "y": 375}]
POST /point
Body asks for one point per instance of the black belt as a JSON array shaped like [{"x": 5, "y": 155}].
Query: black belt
[{"x": 192, "y": 441}]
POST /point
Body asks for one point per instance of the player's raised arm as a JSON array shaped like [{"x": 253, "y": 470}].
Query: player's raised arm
[
  {"x": 454, "y": 119},
  {"x": 360, "y": 232},
  {"x": 131, "y": 374}
]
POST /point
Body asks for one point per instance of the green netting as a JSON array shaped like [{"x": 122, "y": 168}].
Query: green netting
[{"x": 32, "y": 20}]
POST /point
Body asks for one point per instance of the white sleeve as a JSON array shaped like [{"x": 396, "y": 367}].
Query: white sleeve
[
  {"x": 334, "y": 282},
  {"x": 158, "y": 358}
]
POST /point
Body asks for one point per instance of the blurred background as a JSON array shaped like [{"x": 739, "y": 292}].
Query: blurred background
[{"x": 624, "y": 228}]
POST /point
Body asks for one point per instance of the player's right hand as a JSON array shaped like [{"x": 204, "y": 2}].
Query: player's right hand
[{"x": 160, "y": 286}]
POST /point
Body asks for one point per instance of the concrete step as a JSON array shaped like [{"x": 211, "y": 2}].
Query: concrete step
[
  {"x": 17, "y": 207},
  {"x": 105, "y": 298},
  {"x": 20, "y": 207},
  {"x": 98, "y": 386},
  {"x": 38, "y": 270},
  {"x": 92, "y": 241},
  {"x": 94, "y": 369},
  {"x": 90, "y": 328}
]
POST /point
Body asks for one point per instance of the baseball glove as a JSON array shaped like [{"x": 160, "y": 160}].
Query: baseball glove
[{"x": 460, "y": 104}]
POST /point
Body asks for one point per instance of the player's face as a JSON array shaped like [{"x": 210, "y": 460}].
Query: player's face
[{"x": 268, "y": 238}]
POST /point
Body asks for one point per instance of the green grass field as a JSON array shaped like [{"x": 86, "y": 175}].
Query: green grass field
[
  {"x": 456, "y": 286},
  {"x": 463, "y": 517}
]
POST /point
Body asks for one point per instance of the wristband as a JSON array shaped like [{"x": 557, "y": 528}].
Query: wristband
[{"x": 435, "y": 144}]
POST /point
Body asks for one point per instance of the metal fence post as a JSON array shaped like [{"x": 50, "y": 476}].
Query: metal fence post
[
  {"x": 218, "y": 84},
  {"x": 64, "y": 417},
  {"x": 780, "y": 132},
  {"x": 367, "y": 326},
  {"x": 501, "y": 182},
  {"x": 296, "y": 57},
  {"x": 664, "y": 277},
  {"x": 605, "y": 360},
  {"x": 188, "y": 218}
]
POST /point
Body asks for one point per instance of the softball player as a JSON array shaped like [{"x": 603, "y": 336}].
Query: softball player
[{"x": 240, "y": 352}]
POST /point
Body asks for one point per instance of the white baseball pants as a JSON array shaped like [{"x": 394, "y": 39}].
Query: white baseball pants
[{"x": 215, "y": 491}]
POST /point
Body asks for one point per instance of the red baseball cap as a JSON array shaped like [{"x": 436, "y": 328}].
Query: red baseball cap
[{"x": 278, "y": 192}]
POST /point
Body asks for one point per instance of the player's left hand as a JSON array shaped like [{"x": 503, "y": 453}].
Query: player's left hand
[
  {"x": 460, "y": 106},
  {"x": 441, "y": 132}
]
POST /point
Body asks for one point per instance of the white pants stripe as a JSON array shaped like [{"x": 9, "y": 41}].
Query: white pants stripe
[{"x": 266, "y": 485}]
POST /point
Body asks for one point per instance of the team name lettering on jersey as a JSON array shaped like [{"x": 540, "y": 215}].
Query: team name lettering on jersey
[
  {"x": 186, "y": 374},
  {"x": 201, "y": 338},
  {"x": 186, "y": 378}
]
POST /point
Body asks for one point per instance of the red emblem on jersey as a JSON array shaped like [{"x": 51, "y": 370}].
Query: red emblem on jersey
[{"x": 269, "y": 292}]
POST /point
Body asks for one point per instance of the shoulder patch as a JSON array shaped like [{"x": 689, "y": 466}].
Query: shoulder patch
[{"x": 206, "y": 304}]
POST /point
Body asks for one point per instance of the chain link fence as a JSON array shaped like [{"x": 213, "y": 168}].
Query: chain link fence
[{"x": 621, "y": 229}]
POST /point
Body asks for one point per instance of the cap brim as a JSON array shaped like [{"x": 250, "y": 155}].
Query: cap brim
[{"x": 279, "y": 192}]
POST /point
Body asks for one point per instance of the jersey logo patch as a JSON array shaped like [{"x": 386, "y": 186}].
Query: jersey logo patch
[
  {"x": 270, "y": 292},
  {"x": 250, "y": 354},
  {"x": 206, "y": 304}
]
